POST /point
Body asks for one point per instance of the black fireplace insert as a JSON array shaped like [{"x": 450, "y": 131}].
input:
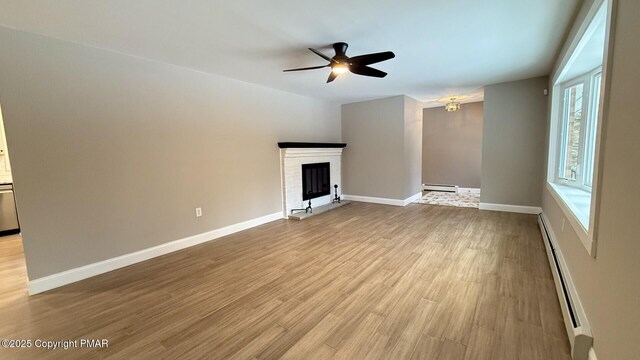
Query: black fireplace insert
[{"x": 315, "y": 180}]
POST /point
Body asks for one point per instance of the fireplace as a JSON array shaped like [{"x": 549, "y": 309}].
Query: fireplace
[
  {"x": 294, "y": 161},
  {"x": 315, "y": 180}
]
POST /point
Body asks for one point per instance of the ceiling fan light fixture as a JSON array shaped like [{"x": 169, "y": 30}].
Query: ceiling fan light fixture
[
  {"x": 339, "y": 68},
  {"x": 340, "y": 63},
  {"x": 452, "y": 106}
]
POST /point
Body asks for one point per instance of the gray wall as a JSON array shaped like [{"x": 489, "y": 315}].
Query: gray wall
[
  {"x": 382, "y": 158},
  {"x": 111, "y": 154},
  {"x": 608, "y": 285},
  {"x": 513, "y": 142},
  {"x": 372, "y": 162},
  {"x": 452, "y": 145}
]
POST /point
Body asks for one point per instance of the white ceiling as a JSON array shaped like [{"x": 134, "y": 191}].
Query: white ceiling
[{"x": 443, "y": 48}]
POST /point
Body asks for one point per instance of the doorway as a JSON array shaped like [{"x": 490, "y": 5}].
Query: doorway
[
  {"x": 13, "y": 271},
  {"x": 452, "y": 154}
]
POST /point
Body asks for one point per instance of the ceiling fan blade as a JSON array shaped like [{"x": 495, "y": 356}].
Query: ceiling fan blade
[
  {"x": 369, "y": 59},
  {"x": 307, "y": 68},
  {"x": 317, "y": 52},
  {"x": 366, "y": 71},
  {"x": 332, "y": 77}
]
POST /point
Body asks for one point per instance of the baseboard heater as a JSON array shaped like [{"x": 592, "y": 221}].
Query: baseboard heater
[
  {"x": 440, "y": 187},
  {"x": 575, "y": 321}
]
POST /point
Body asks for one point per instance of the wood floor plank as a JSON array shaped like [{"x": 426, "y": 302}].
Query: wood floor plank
[
  {"x": 364, "y": 281},
  {"x": 463, "y": 311},
  {"x": 487, "y": 308},
  {"x": 532, "y": 347},
  {"x": 258, "y": 344},
  {"x": 480, "y": 344},
  {"x": 557, "y": 348},
  {"x": 427, "y": 348},
  {"x": 314, "y": 339},
  {"x": 360, "y": 342},
  {"x": 507, "y": 343},
  {"x": 550, "y": 312},
  {"x": 528, "y": 301},
  {"x": 439, "y": 322},
  {"x": 418, "y": 320},
  {"x": 404, "y": 346},
  {"x": 452, "y": 350}
]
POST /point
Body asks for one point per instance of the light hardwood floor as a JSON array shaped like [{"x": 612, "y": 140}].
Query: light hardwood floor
[{"x": 361, "y": 282}]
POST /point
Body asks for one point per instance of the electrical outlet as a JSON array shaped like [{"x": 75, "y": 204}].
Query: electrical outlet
[{"x": 198, "y": 212}]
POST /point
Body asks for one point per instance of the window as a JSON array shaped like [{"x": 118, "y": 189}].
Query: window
[
  {"x": 576, "y": 153},
  {"x": 576, "y": 96},
  {"x": 571, "y": 131}
]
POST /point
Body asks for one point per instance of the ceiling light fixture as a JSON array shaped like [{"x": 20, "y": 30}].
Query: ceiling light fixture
[
  {"x": 339, "y": 68},
  {"x": 340, "y": 63},
  {"x": 452, "y": 106}
]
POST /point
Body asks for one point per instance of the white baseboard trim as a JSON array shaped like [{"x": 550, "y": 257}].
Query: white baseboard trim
[
  {"x": 411, "y": 199},
  {"x": 468, "y": 191},
  {"x": 511, "y": 208},
  {"x": 70, "y": 276},
  {"x": 374, "y": 200},
  {"x": 383, "y": 201}
]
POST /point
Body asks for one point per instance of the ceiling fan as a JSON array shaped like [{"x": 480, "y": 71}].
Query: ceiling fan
[{"x": 341, "y": 63}]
